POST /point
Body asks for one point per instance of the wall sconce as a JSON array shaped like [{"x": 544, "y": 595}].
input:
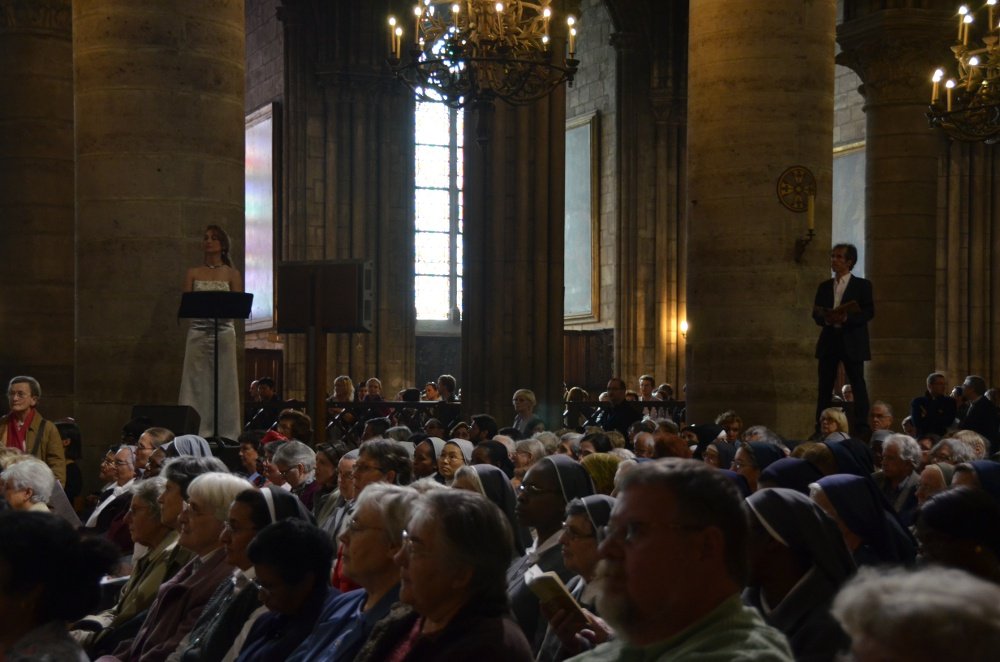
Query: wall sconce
[
  {"x": 802, "y": 242},
  {"x": 797, "y": 192},
  {"x": 684, "y": 329}
]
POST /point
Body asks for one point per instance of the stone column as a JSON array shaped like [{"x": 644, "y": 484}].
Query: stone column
[
  {"x": 894, "y": 52},
  {"x": 512, "y": 330},
  {"x": 36, "y": 198},
  {"x": 760, "y": 96},
  {"x": 159, "y": 147}
]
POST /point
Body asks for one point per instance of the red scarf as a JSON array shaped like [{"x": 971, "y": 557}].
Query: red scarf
[{"x": 16, "y": 437}]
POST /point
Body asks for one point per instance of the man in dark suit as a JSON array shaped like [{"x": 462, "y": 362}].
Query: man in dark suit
[
  {"x": 844, "y": 338},
  {"x": 982, "y": 415}
]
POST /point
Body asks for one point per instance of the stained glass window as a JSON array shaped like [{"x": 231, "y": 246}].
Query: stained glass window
[{"x": 438, "y": 202}]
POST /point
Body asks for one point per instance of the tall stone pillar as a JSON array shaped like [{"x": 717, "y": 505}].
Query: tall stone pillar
[
  {"x": 760, "y": 101},
  {"x": 894, "y": 52},
  {"x": 159, "y": 148},
  {"x": 36, "y": 198},
  {"x": 512, "y": 327}
]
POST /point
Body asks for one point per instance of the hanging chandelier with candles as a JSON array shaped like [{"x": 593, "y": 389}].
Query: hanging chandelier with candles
[
  {"x": 472, "y": 52},
  {"x": 969, "y": 108}
]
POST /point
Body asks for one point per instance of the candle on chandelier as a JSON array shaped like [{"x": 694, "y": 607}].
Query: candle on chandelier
[
  {"x": 936, "y": 79},
  {"x": 455, "y": 9},
  {"x": 949, "y": 86},
  {"x": 418, "y": 13},
  {"x": 963, "y": 11},
  {"x": 546, "y": 15},
  {"x": 499, "y": 8},
  {"x": 571, "y": 22},
  {"x": 399, "y": 42},
  {"x": 392, "y": 35},
  {"x": 989, "y": 4},
  {"x": 965, "y": 35}
]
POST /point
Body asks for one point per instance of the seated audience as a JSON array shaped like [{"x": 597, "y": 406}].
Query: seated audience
[
  {"x": 292, "y": 561},
  {"x": 297, "y": 464},
  {"x": 951, "y": 451},
  {"x": 180, "y": 600},
  {"x": 49, "y": 577},
  {"x": 425, "y": 457},
  {"x": 924, "y": 616},
  {"x": 327, "y": 461},
  {"x": 595, "y": 442},
  {"x": 980, "y": 474},
  {"x": 833, "y": 424},
  {"x": 371, "y": 540},
  {"x": 28, "y": 485},
  {"x": 718, "y": 454},
  {"x": 333, "y": 512},
  {"x": 674, "y": 561},
  {"x": 582, "y": 532},
  {"x": 455, "y": 453},
  {"x": 221, "y": 628},
  {"x": 249, "y": 454},
  {"x": 123, "y": 465},
  {"x": 493, "y": 484},
  {"x": 188, "y": 444},
  {"x": 975, "y": 441},
  {"x": 898, "y": 478},
  {"x": 798, "y": 562},
  {"x": 752, "y": 458},
  {"x": 934, "y": 478},
  {"x": 452, "y": 594},
  {"x": 960, "y": 528},
  {"x": 541, "y": 504},
  {"x": 870, "y": 527}
]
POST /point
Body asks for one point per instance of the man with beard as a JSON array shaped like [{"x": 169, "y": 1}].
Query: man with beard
[{"x": 673, "y": 564}]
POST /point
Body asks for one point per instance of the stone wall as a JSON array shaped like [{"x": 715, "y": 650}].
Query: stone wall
[
  {"x": 265, "y": 63},
  {"x": 594, "y": 90}
]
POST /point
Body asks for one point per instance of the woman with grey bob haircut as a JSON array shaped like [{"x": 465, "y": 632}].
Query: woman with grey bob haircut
[
  {"x": 28, "y": 485},
  {"x": 930, "y": 614}
]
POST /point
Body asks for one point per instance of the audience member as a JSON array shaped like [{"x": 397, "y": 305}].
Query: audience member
[
  {"x": 982, "y": 416},
  {"x": 960, "y": 528},
  {"x": 28, "y": 485},
  {"x": 934, "y": 478},
  {"x": 297, "y": 464},
  {"x": 753, "y": 457},
  {"x": 791, "y": 472},
  {"x": 456, "y": 453},
  {"x": 26, "y": 430},
  {"x": 898, "y": 479}
]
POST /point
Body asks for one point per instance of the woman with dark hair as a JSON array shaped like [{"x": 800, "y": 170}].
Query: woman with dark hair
[
  {"x": 752, "y": 457},
  {"x": 49, "y": 576},
  {"x": 292, "y": 561},
  {"x": 870, "y": 527},
  {"x": 960, "y": 528},
  {"x": 215, "y": 274},
  {"x": 453, "y": 600},
  {"x": 495, "y": 453},
  {"x": 798, "y": 562},
  {"x": 327, "y": 458}
]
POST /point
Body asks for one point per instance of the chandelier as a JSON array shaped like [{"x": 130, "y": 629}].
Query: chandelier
[
  {"x": 970, "y": 108},
  {"x": 472, "y": 52}
]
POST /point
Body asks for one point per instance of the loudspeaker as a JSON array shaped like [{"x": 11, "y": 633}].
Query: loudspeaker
[
  {"x": 179, "y": 419},
  {"x": 342, "y": 290}
]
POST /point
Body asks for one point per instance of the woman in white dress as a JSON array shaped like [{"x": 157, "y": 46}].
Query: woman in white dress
[{"x": 216, "y": 273}]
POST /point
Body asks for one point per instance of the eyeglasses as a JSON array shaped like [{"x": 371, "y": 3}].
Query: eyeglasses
[
  {"x": 740, "y": 464},
  {"x": 362, "y": 468},
  {"x": 122, "y": 463},
  {"x": 354, "y": 526},
  {"x": 528, "y": 489},
  {"x": 413, "y": 548},
  {"x": 575, "y": 535},
  {"x": 14, "y": 395},
  {"x": 284, "y": 474},
  {"x": 631, "y": 531}
]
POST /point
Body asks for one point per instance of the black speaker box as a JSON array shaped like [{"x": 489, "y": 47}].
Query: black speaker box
[{"x": 335, "y": 296}]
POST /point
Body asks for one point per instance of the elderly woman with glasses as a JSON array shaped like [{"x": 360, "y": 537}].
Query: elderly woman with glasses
[
  {"x": 297, "y": 464},
  {"x": 28, "y": 485},
  {"x": 453, "y": 602},
  {"x": 371, "y": 538}
]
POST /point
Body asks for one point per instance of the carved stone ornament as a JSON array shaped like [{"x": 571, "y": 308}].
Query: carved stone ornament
[{"x": 795, "y": 185}]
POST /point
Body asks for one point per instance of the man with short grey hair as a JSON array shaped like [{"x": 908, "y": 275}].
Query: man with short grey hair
[
  {"x": 673, "y": 565},
  {"x": 898, "y": 479}
]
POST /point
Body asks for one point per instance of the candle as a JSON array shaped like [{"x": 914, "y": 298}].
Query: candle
[
  {"x": 455, "y": 9},
  {"x": 399, "y": 42},
  {"x": 962, "y": 11},
  {"x": 571, "y": 21},
  {"x": 418, "y": 12},
  {"x": 990, "y": 3},
  {"x": 392, "y": 37},
  {"x": 499, "y": 8},
  {"x": 965, "y": 35},
  {"x": 936, "y": 79},
  {"x": 546, "y": 15},
  {"x": 949, "y": 86},
  {"x": 811, "y": 211}
]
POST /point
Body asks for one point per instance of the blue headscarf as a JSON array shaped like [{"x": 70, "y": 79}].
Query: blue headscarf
[
  {"x": 865, "y": 511},
  {"x": 791, "y": 472},
  {"x": 574, "y": 481},
  {"x": 988, "y": 473},
  {"x": 598, "y": 508},
  {"x": 764, "y": 454},
  {"x": 742, "y": 486},
  {"x": 497, "y": 488}
]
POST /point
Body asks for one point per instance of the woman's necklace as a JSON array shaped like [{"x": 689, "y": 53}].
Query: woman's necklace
[{"x": 212, "y": 266}]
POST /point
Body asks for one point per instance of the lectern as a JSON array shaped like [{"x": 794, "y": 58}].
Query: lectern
[{"x": 215, "y": 306}]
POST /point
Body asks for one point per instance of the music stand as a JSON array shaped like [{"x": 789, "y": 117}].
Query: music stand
[{"x": 215, "y": 306}]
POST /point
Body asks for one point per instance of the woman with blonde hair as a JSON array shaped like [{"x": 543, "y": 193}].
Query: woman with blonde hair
[{"x": 833, "y": 424}]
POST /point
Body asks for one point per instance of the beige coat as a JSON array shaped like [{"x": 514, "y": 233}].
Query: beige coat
[{"x": 50, "y": 451}]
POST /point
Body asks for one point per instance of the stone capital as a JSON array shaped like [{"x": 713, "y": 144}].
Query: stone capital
[{"x": 894, "y": 52}]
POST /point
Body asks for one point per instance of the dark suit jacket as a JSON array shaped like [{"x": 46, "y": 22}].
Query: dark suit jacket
[
  {"x": 524, "y": 603},
  {"x": 982, "y": 417},
  {"x": 855, "y": 330}
]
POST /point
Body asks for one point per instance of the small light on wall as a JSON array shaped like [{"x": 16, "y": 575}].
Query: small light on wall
[{"x": 684, "y": 328}]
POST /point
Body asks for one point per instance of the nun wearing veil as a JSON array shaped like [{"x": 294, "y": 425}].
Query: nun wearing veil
[
  {"x": 541, "y": 504},
  {"x": 798, "y": 562}
]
